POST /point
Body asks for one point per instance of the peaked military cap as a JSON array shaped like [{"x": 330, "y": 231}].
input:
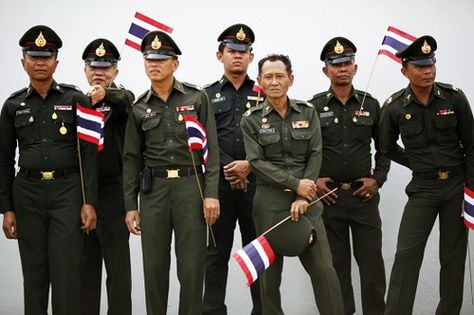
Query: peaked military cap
[
  {"x": 238, "y": 37},
  {"x": 159, "y": 45},
  {"x": 41, "y": 41},
  {"x": 101, "y": 53},
  {"x": 420, "y": 52},
  {"x": 338, "y": 50},
  {"x": 291, "y": 238}
]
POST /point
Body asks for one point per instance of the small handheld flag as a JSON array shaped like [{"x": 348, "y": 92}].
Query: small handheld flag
[
  {"x": 90, "y": 125},
  {"x": 255, "y": 258},
  {"x": 469, "y": 207},
  {"x": 394, "y": 41},
  {"x": 258, "y": 89},
  {"x": 196, "y": 136},
  {"x": 140, "y": 26}
]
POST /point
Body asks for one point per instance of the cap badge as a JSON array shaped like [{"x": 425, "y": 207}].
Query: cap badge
[
  {"x": 40, "y": 41},
  {"x": 156, "y": 44},
  {"x": 338, "y": 49},
  {"x": 426, "y": 49},
  {"x": 241, "y": 35},
  {"x": 100, "y": 51}
]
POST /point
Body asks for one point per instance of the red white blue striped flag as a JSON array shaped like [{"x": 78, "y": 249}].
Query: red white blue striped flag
[
  {"x": 197, "y": 139},
  {"x": 140, "y": 26},
  {"x": 90, "y": 125},
  {"x": 255, "y": 258},
  {"x": 469, "y": 207},
  {"x": 394, "y": 41}
]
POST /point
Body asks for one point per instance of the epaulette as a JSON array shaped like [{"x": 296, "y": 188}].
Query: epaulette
[
  {"x": 193, "y": 86},
  {"x": 319, "y": 95},
  {"x": 300, "y": 102},
  {"x": 141, "y": 96},
  {"x": 70, "y": 86},
  {"x": 18, "y": 92},
  {"x": 362, "y": 93},
  {"x": 448, "y": 86},
  {"x": 395, "y": 96},
  {"x": 120, "y": 87},
  {"x": 253, "y": 109},
  {"x": 210, "y": 84}
]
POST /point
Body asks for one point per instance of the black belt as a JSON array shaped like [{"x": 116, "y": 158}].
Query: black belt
[
  {"x": 175, "y": 171},
  {"x": 48, "y": 175},
  {"x": 440, "y": 174},
  {"x": 344, "y": 185}
]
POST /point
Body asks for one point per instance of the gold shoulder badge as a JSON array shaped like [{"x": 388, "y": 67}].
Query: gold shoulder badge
[
  {"x": 426, "y": 49},
  {"x": 338, "y": 49},
  {"x": 248, "y": 112},
  {"x": 241, "y": 35},
  {"x": 100, "y": 51},
  {"x": 40, "y": 41},
  {"x": 156, "y": 44}
]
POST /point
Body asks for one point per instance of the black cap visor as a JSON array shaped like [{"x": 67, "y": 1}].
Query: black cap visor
[{"x": 238, "y": 46}]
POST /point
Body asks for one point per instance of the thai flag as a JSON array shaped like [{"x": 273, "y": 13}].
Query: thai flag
[
  {"x": 90, "y": 125},
  {"x": 469, "y": 207},
  {"x": 258, "y": 89},
  {"x": 394, "y": 41},
  {"x": 140, "y": 26},
  {"x": 255, "y": 258},
  {"x": 197, "y": 139}
]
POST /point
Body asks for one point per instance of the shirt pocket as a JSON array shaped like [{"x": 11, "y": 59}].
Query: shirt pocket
[
  {"x": 411, "y": 132},
  {"x": 300, "y": 141},
  {"x": 150, "y": 123},
  {"x": 445, "y": 128},
  {"x": 330, "y": 130},
  {"x": 271, "y": 144},
  {"x": 25, "y": 128},
  {"x": 362, "y": 129}
]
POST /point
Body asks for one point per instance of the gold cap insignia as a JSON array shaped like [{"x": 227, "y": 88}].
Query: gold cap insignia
[
  {"x": 100, "y": 51},
  {"x": 40, "y": 41},
  {"x": 241, "y": 34},
  {"x": 426, "y": 49},
  {"x": 156, "y": 44},
  {"x": 338, "y": 49}
]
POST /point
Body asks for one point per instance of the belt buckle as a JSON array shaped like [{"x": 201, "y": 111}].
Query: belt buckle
[
  {"x": 443, "y": 175},
  {"x": 47, "y": 175},
  {"x": 345, "y": 186},
  {"x": 172, "y": 173}
]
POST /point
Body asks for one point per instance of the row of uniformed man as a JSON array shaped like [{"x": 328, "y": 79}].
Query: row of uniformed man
[{"x": 264, "y": 165}]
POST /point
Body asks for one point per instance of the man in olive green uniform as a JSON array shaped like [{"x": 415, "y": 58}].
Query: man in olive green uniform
[
  {"x": 175, "y": 193},
  {"x": 436, "y": 127},
  {"x": 231, "y": 96},
  {"x": 109, "y": 241},
  {"x": 349, "y": 121},
  {"x": 283, "y": 144},
  {"x": 42, "y": 203}
]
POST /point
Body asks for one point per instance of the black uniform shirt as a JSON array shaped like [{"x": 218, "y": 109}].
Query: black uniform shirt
[
  {"x": 47, "y": 138},
  {"x": 438, "y": 136},
  {"x": 115, "y": 107},
  {"x": 228, "y": 105},
  {"x": 347, "y": 133}
]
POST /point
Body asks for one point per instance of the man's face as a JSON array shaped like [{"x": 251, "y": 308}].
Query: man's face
[
  {"x": 420, "y": 76},
  {"x": 274, "y": 79},
  {"x": 101, "y": 76},
  {"x": 235, "y": 62},
  {"x": 159, "y": 70},
  {"x": 39, "y": 68},
  {"x": 341, "y": 74}
]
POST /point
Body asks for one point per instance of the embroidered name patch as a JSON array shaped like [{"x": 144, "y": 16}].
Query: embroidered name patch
[
  {"x": 62, "y": 107},
  {"x": 267, "y": 130},
  {"x": 23, "y": 111},
  {"x": 326, "y": 114}
]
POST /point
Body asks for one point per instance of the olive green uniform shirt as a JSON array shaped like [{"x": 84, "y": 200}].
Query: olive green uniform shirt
[
  {"x": 438, "y": 136},
  {"x": 282, "y": 151},
  {"x": 156, "y": 137}
]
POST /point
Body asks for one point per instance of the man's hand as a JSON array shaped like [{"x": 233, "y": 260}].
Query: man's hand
[
  {"x": 9, "y": 225},
  {"x": 298, "y": 207},
  {"x": 368, "y": 189},
  {"x": 236, "y": 171},
  {"x": 88, "y": 218},
  {"x": 132, "y": 219},
  {"x": 97, "y": 93},
  {"x": 306, "y": 189},
  {"x": 323, "y": 189},
  {"x": 240, "y": 185},
  {"x": 211, "y": 210}
]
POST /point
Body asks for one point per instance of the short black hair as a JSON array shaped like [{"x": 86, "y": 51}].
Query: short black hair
[{"x": 276, "y": 57}]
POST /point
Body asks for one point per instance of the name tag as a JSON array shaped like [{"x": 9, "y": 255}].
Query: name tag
[
  {"x": 266, "y": 131},
  {"x": 62, "y": 107},
  {"x": 23, "y": 111},
  {"x": 255, "y": 98},
  {"x": 218, "y": 99},
  {"x": 326, "y": 114}
]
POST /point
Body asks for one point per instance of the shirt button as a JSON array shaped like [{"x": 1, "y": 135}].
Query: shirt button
[
  {"x": 45, "y": 158},
  {"x": 43, "y": 122},
  {"x": 238, "y": 140},
  {"x": 44, "y": 140},
  {"x": 170, "y": 141},
  {"x": 171, "y": 157},
  {"x": 237, "y": 124}
]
